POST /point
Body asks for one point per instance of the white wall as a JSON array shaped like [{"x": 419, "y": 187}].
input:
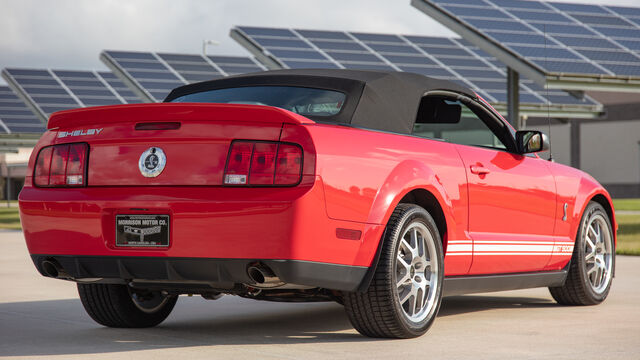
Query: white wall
[
  {"x": 610, "y": 151},
  {"x": 560, "y": 142}
]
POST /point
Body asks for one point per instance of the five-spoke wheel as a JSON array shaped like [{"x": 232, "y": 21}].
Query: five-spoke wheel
[
  {"x": 416, "y": 275},
  {"x": 404, "y": 296},
  {"x": 591, "y": 269}
]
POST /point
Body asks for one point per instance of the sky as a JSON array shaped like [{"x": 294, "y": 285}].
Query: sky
[{"x": 70, "y": 34}]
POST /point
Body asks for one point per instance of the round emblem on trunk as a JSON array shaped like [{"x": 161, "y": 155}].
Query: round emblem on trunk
[{"x": 152, "y": 162}]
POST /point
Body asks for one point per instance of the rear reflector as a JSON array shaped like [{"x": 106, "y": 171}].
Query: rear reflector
[
  {"x": 61, "y": 165},
  {"x": 263, "y": 163},
  {"x": 348, "y": 234}
]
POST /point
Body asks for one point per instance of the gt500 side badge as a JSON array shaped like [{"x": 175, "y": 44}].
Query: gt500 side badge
[
  {"x": 152, "y": 162},
  {"x": 62, "y": 134}
]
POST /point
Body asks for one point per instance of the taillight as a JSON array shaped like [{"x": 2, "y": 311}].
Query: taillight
[
  {"x": 288, "y": 164},
  {"x": 263, "y": 163},
  {"x": 61, "y": 165}
]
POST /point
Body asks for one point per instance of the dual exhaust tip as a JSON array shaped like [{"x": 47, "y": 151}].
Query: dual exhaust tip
[
  {"x": 53, "y": 269},
  {"x": 263, "y": 276}
]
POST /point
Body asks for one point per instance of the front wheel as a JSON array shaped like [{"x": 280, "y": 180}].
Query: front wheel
[
  {"x": 121, "y": 306},
  {"x": 591, "y": 270},
  {"x": 404, "y": 296}
]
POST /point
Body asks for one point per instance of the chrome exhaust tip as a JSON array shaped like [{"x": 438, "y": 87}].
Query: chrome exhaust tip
[
  {"x": 263, "y": 276},
  {"x": 53, "y": 269}
]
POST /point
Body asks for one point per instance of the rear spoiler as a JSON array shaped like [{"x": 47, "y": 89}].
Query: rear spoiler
[{"x": 173, "y": 112}]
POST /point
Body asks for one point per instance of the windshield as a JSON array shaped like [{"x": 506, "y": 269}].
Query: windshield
[{"x": 300, "y": 100}]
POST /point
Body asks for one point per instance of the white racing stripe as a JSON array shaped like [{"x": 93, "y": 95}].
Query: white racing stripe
[{"x": 489, "y": 247}]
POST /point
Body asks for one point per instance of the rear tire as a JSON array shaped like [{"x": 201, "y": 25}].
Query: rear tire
[
  {"x": 404, "y": 296},
  {"x": 120, "y": 306},
  {"x": 591, "y": 269}
]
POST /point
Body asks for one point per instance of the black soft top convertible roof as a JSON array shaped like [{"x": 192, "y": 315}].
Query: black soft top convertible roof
[{"x": 381, "y": 100}]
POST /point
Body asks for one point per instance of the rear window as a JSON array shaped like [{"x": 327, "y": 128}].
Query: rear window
[{"x": 300, "y": 100}]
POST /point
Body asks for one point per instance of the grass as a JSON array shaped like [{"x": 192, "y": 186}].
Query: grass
[
  {"x": 628, "y": 232},
  {"x": 627, "y": 204},
  {"x": 629, "y": 226},
  {"x": 9, "y": 218}
]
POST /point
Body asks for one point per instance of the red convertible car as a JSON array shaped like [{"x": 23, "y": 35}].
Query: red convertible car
[{"x": 382, "y": 191}]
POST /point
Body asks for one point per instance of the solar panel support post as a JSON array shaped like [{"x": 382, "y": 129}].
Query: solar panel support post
[
  {"x": 513, "y": 98},
  {"x": 8, "y": 186},
  {"x": 575, "y": 143}
]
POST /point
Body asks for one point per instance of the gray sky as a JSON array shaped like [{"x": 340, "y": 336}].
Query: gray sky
[{"x": 69, "y": 34}]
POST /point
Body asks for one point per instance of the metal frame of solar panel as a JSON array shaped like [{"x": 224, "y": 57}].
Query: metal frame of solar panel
[
  {"x": 152, "y": 75},
  {"x": 46, "y": 91},
  {"x": 445, "y": 58},
  {"x": 559, "y": 45},
  {"x": 15, "y": 116}
]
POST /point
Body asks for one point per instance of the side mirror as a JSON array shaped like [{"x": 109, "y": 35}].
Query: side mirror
[{"x": 530, "y": 141}]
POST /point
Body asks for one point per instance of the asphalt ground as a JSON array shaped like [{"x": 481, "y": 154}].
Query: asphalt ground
[{"x": 43, "y": 318}]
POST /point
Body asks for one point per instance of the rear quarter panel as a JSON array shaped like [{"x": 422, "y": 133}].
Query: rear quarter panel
[{"x": 366, "y": 173}]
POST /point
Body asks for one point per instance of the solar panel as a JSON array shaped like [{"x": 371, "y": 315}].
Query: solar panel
[
  {"x": 48, "y": 91},
  {"x": 15, "y": 117},
  {"x": 444, "y": 58},
  {"x": 154, "y": 75},
  {"x": 579, "y": 39}
]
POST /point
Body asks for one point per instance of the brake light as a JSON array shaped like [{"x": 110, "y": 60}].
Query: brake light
[
  {"x": 288, "y": 165},
  {"x": 43, "y": 166},
  {"x": 61, "y": 165},
  {"x": 263, "y": 163}
]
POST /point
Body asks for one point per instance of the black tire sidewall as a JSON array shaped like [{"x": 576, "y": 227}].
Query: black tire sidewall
[
  {"x": 592, "y": 209},
  {"x": 413, "y": 214},
  {"x": 111, "y": 305}
]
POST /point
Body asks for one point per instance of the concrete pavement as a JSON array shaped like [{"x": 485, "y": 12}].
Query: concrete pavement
[{"x": 42, "y": 317}]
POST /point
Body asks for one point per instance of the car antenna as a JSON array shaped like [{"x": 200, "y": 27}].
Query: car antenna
[{"x": 546, "y": 87}]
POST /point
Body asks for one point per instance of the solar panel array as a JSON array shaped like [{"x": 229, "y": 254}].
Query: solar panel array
[
  {"x": 156, "y": 74},
  {"x": 54, "y": 90},
  {"x": 15, "y": 117},
  {"x": 445, "y": 58},
  {"x": 558, "y": 37}
]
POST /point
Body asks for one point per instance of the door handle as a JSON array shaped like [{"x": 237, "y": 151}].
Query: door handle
[{"x": 479, "y": 170}]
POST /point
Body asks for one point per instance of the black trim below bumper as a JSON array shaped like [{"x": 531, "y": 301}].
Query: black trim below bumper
[
  {"x": 460, "y": 285},
  {"x": 218, "y": 273}
]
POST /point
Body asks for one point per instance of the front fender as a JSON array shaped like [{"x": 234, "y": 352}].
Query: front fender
[{"x": 588, "y": 189}]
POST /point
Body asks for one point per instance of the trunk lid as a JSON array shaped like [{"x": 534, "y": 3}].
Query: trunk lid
[{"x": 196, "y": 151}]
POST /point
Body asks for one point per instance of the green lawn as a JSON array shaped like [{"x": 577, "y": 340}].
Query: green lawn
[
  {"x": 627, "y": 204},
  {"x": 629, "y": 226},
  {"x": 9, "y": 218},
  {"x": 628, "y": 232}
]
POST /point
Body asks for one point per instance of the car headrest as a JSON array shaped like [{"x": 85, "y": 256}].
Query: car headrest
[
  {"x": 448, "y": 113},
  {"x": 437, "y": 111}
]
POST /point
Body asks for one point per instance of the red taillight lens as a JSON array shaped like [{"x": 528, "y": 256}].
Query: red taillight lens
[
  {"x": 238, "y": 163},
  {"x": 43, "y": 165},
  {"x": 61, "y": 165},
  {"x": 263, "y": 163},
  {"x": 75, "y": 164},
  {"x": 288, "y": 165},
  {"x": 58, "y": 165}
]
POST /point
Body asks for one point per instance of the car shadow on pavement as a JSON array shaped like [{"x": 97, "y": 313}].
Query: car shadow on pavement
[
  {"x": 61, "y": 327},
  {"x": 456, "y": 305}
]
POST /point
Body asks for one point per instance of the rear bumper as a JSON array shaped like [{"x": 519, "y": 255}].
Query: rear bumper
[
  {"x": 215, "y": 273},
  {"x": 270, "y": 224}
]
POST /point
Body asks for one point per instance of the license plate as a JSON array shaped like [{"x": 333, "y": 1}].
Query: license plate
[{"x": 142, "y": 230}]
